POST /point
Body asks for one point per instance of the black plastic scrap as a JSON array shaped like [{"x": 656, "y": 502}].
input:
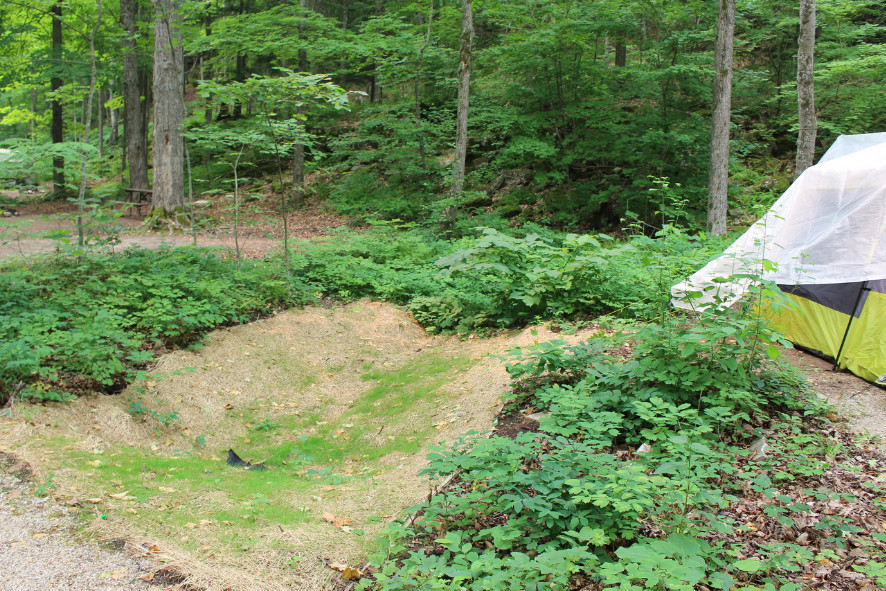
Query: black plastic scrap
[{"x": 238, "y": 462}]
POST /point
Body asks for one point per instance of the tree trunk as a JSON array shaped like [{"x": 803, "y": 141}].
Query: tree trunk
[
  {"x": 806, "y": 88},
  {"x": 298, "y": 151},
  {"x": 87, "y": 122},
  {"x": 134, "y": 128},
  {"x": 113, "y": 137},
  {"x": 169, "y": 110},
  {"x": 718, "y": 178},
  {"x": 417, "y": 85},
  {"x": 101, "y": 125},
  {"x": 621, "y": 51},
  {"x": 58, "y": 123},
  {"x": 464, "y": 95}
]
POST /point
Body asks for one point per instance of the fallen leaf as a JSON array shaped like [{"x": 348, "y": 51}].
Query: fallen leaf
[
  {"x": 339, "y": 521},
  {"x": 166, "y": 489},
  {"x": 120, "y": 496},
  {"x": 14, "y": 495},
  {"x": 347, "y": 572},
  {"x": 95, "y": 463},
  {"x": 93, "y": 501},
  {"x": 39, "y": 536}
]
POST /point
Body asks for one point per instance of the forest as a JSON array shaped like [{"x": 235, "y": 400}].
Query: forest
[
  {"x": 575, "y": 107},
  {"x": 450, "y": 195}
]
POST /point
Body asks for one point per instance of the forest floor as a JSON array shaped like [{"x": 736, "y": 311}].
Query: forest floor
[
  {"x": 311, "y": 376},
  {"x": 39, "y": 225},
  {"x": 361, "y": 388},
  {"x": 340, "y": 401}
]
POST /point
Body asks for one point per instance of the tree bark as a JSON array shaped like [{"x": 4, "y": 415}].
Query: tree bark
[
  {"x": 464, "y": 95},
  {"x": 169, "y": 110},
  {"x": 806, "y": 88},
  {"x": 417, "y": 84},
  {"x": 58, "y": 124},
  {"x": 87, "y": 122},
  {"x": 101, "y": 125},
  {"x": 621, "y": 51},
  {"x": 298, "y": 151},
  {"x": 113, "y": 136},
  {"x": 134, "y": 128},
  {"x": 718, "y": 178}
]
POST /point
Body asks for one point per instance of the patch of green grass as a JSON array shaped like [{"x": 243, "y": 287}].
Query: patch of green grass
[
  {"x": 380, "y": 411},
  {"x": 174, "y": 490}
]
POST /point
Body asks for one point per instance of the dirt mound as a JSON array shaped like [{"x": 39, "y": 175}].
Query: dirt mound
[{"x": 361, "y": 385}]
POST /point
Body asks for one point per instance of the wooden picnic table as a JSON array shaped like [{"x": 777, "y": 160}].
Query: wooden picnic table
[{"x": 136, "y": 200}]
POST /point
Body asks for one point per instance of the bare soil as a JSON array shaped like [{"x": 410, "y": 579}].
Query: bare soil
[
  {"x": 260, "y": 229},
  {"x": 258, "y": 369}
]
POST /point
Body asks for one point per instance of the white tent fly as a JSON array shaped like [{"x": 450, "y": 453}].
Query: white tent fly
[
  {"x": 824, "y": 241},
  {"x": 828, "y": 227}
]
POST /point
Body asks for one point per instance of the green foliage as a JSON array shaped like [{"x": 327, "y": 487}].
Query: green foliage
[
  {"x": 92, "y": 321},
  {"x": 502, "y": 279},
  {"x": 570, "y": 493}
]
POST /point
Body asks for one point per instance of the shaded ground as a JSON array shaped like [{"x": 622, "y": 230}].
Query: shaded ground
[
  {"x": 362, "y": 384},
  {"x": 39, "y": 227},
  {"x": 863, "y": 403}
]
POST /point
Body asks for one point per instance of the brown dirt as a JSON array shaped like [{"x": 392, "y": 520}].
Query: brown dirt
[
  {"x": 260, "y": 230},
  {"x": 259, "y": 368},
  {"x": 863, "y": 403}
]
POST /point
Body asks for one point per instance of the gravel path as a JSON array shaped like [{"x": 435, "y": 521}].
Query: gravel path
[{"x": 38, "y": 552}]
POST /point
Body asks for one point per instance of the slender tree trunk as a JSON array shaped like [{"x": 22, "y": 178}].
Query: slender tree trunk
[
  {"x": 101, "y": 125},
  {"x": 33, "y": 125},
  {"x": 169, "y": 110},
  {"x": 114, "y": 136},
  {"x": 134, "y": 128},
  {"x": 87, "y": 121},
  {"x": 806, "y": 88},
  {"x": 464, "y": 95},
  {"x": 58, "y": 123},
  {"x": 207, "y": 114},
  {"x": 298, "y": 151},
  {"x": 718, "y": 178},
  {"x": 417, "y": 84}
]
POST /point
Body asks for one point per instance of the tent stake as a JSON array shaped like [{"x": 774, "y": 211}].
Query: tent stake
[{"x": 864, "y": 287}]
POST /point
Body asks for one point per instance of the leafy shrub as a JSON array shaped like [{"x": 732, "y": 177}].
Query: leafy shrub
[{"x": 91, "y": 321}]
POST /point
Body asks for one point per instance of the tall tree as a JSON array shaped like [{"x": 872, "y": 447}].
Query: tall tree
[
  {"x": 298, "y": 151},
  {"x": 87, "y": 120},
  {"x": 169, "y": 109},
  {"x": 133, "y": 118},
  {"x": 464, "y": 96},
  {"x": 806, "y": 88},
  {"x": 718, "y": 175},
  {"x": 57, "y": 131}
]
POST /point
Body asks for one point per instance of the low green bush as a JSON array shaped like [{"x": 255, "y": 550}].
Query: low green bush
[
  {"x": 69, "y": 323},
  {"x": 570, "y": 506}
]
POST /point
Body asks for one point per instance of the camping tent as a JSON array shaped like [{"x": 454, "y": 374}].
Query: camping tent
[{"x": 827, "y": 239}]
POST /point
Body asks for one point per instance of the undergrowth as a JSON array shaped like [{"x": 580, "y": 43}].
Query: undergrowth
[
  {"x": 577, "y": 504},
  {"x": 70, "y": 323},
  {"x": 496, "y": 279}
]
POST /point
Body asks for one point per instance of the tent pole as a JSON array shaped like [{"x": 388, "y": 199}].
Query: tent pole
[{"x": 864, "y": 287}]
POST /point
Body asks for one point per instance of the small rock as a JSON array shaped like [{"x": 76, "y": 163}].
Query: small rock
[{"x": 644, "y": 449}]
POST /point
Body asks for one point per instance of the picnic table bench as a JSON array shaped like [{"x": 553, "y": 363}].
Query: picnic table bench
[{"x": 136, "y": 200}]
